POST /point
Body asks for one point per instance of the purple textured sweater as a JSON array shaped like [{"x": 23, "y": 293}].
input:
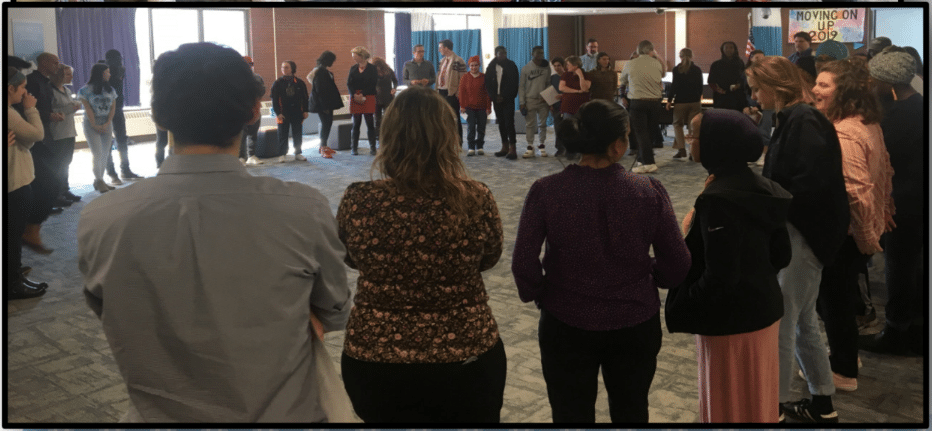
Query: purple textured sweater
[{"x": 599, "y": 225}]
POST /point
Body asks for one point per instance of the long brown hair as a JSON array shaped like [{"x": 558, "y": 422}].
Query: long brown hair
[
  {"x": 420, "y": 152},
  {"x": 853, "y": 94},
  {"x": 381, "y": 66},
  {"x": 783, "y": 78}
]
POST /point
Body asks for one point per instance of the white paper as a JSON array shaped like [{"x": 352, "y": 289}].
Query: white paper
[{"x": 550, "y": 95}]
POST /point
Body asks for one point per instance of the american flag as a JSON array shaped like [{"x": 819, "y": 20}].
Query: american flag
[{"x": 750, "y": 45}]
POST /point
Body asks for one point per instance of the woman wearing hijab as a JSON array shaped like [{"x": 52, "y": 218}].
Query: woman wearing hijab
[
  {"x": 731, "y": 299},
  {"x": 727, "y": 80}
]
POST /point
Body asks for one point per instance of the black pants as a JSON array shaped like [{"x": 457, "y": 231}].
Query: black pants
[
  {"x": 161, "y": 141},
  {"x": 45, "y": 186},
  {"x": 436, "y": 393},
  {"x": 475, "y": 134},
  {"x": 326, "y": 122},
  {"x": 119, "y": 135},
  {"x": 836, "y": 307},
  {"x": 247, "y": 143},
  {"x": 63, "y": 150},
  {"x": 571, "y": 358},
  {"x": 505, "y": 114},
  {"x": 357, "y": 129},
  {"x": 455, "y": 104},
  {"x": 904, "y": 269},
  {"x": 379, "y": 113},
  {"x": 645, "y": 122},
  {"x": 296, "y": 125},
  {"x": 18, "y": 204}
]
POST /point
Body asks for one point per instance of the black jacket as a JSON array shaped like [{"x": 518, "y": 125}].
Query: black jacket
[
  {"x": 325, "y": 96},
  {"x": 510, "y": 80},
  {"x": 365, "y": 81},
  {"x": 687, "y": 87},
  {"x": 289, "y": 96},
  {"x": 738, "y": 241},
  {"x": 805, "y": 159}
]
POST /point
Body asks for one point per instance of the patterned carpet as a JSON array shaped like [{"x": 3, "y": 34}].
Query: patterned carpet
[{"x": 60, "y": 368}]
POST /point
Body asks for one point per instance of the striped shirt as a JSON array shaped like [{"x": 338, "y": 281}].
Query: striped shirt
[{"x": 868, "y": 179}]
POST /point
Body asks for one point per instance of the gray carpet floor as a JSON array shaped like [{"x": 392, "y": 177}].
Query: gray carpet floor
[{"x": 60, "y": 367}]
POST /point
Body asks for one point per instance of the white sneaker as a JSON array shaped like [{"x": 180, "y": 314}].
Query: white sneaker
[
  {"x": 480, "y": 152},
  {"x": 543, "y": 153},
  {"x": 243, "y": 161},
  {"x": 760, "y": 161},
  {"x": 253, "y": 160},
  {"x": 645, "y": 169},
  {"x": 300, "y": 157},
  {"x": 471, "y": 153},
  {"x": 281, "y": 159},
  {"x": 528, "y": 154}
]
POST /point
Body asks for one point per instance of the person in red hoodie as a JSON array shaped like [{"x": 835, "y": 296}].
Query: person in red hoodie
[{"x": 475, "y": 103}]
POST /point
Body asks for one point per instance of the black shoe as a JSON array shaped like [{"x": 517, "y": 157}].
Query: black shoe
[
  {"x": 511, "y": 156},
  {"x": 804, "y": 411},
  {"x": 890, "y": 341},
  {"x": 129, "y": 175},
  {"x": 559, "y": 153},
  {"x": 20, "y": 291},
  {"x": 373, "y": 151},
  {"x": 25, "y": 270},
  {"x": 33, "y": 284},
  {"x": 71, "y": 196},
  {"x": 56, "y": 210},
  {"x": 61, "y": 201},
  {"x": 680, "y": 154},
  {"x": 354, "y": 152},
  {"x": 503, "y": 152}
]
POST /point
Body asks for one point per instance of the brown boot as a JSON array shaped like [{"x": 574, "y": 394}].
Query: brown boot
[
  {"x": 33, "y": 240},
  {"x": 512, "y": 152}
]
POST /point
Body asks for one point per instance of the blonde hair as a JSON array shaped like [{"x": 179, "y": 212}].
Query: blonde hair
[
  {"x": 788, "y": 82},
  {"x": 685, "y": 64},
  {"x": 420, "y": 152},
  {"x": 361, "y": 51}
]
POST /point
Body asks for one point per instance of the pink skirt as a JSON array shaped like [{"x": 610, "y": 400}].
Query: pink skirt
[{"x": 739, "y": 377}]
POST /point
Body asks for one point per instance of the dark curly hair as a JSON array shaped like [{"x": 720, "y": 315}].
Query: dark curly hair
[
  {"x": 853, "y": 94},
  {"x": 594, "y": 128},
  {"x": 204, "y": 94}
]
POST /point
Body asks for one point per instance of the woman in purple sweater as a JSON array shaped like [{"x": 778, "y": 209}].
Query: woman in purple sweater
[{"x": 597, "y": 285}]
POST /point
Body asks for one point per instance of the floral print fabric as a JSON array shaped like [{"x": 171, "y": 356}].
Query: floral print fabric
[{"x": 420, "y": 296}]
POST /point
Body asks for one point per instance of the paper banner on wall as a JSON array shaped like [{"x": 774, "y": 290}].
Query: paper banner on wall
[
  {"x": 28, "y": 41},
  {"x": 842, "y": 25}
]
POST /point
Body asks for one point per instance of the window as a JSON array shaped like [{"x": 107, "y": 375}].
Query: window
[
  {"x": 902, "y": 26},
  {"x": 171, "y": 28}
]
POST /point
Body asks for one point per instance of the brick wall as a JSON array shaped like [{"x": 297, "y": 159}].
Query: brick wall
[
  {"x": 619, "y": 35},
  {"x": 560, "y": 36},
  {"x": 302, "y": 34},
  {"x": 707, "y": 30}
]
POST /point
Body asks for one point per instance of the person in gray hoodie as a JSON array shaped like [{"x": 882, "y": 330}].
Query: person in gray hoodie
[{"x": 534, "y": 79}]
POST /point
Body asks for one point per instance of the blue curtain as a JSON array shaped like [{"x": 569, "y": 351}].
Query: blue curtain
[
  {"x": 466, "y": 43},
  {"x": 403, "y": 45},
  {"x": 86, "y": 34},
  {"x": 768, "y": 39},
  {"x": 519, "y": 42}
]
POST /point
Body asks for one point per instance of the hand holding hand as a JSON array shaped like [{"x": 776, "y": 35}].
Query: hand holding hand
[{"x": 668, "y": 105}]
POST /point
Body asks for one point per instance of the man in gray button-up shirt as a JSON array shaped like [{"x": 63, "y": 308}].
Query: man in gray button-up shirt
[
  {"x": 205, "y": 277},
  {"x": 419, "y": 71}
]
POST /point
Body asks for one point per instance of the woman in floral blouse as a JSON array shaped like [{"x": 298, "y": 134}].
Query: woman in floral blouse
[{"x": 421, "y": 343}]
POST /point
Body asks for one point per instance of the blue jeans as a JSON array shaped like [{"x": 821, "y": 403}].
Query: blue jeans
[
  {"x": 799, "y": 329},
  {"x": 475, "y": 132}
]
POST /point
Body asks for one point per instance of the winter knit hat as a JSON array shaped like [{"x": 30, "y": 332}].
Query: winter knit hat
[
  {"x": 475, "y": 59},
  {"x": 893, "y": 67},
  {"x": 834, "y": 49}
]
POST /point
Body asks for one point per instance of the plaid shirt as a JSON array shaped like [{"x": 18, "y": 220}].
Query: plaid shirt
[{"x": 868, "y": 179}]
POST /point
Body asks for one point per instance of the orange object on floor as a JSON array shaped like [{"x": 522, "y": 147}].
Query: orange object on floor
[
  {"x": 33, "y": 240},
  {"x": 327, "y": 152}
]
